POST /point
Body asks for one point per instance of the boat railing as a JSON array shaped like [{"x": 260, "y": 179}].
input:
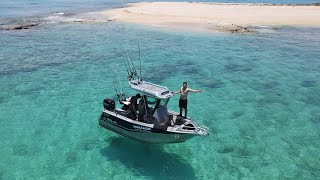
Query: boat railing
[{"x": 203, "y": 130}]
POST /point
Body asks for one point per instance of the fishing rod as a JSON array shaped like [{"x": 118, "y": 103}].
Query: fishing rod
[
  {"x": 139, "y": 61},
  {"x": 129, "y": 69},
  {"x": 125, "y": 63},
  {"x": 126, "y": 60},
  {"x": 123, "y": 96},
  {"x": 118, "y": 86},
  {"x": 133, "y": 69},
  {"x": 116, "y": 89},
  {"x": 115, "y": 82}
]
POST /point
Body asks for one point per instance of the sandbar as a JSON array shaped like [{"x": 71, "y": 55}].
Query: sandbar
[{"x": 229, "y": 17}]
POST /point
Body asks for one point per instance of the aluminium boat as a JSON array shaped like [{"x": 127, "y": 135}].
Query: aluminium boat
[{"x": 157, "y": 124}]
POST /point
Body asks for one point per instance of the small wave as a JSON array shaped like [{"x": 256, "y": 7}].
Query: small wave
[
  {"x": 61, "y": 19},
  {"x": 77, "y": 18},
  {"x": 58, "y": 13},
  {"x": 262, "y": 26},
  {"x": 264, "y": 29},
  {"x": 58, "y": 17}
]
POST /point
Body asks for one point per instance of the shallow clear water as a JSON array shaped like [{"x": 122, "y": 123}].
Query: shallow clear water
[{"x": 261, "y": 102}]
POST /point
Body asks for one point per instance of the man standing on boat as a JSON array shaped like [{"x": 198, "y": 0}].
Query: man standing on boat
[
  {"x": 183, "y": 102},
  {"x": 134, "y": 106}
]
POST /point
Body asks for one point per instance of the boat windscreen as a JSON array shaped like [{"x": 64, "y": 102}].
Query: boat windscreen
[
  {"x": 153, "y": 103},
  {"x": 164, "y": 102}
]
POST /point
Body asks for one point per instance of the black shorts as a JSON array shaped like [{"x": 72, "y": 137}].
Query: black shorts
[{"x": 183, "y": 103}]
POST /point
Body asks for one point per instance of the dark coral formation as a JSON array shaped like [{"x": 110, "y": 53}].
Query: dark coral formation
[
  {"x": 308, "y": 83},
  {"x": 237, "y": 68},
  {"x": 211, "y": 83}
]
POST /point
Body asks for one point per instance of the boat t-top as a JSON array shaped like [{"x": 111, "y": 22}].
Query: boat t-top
[{"x": 156, "y": 124}]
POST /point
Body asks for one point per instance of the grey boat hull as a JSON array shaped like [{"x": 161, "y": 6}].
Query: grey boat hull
[{"x": 137, "y": 131}]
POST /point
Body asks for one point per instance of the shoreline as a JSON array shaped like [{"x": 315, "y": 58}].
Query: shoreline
[
  {"x": 186, "y": 16},
  {"x": 223, "y": 17}
]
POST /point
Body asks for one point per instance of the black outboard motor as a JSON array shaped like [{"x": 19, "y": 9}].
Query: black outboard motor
[{"x": 109, "y": 104}]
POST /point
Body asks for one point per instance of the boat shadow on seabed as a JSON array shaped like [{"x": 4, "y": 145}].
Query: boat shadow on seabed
[{"x": 147, "y": 160}]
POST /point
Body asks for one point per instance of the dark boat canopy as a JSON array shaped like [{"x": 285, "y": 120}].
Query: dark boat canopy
[{"x": 150, "y": 89}]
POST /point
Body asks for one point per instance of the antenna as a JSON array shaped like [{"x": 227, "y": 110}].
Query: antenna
[{"x": 139, "y": 61}]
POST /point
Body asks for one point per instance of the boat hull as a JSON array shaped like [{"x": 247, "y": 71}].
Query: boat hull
[{"x": 139, "y": 132}]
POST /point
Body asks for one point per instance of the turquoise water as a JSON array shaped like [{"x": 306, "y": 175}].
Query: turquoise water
[{"x": 260, "y": 100}]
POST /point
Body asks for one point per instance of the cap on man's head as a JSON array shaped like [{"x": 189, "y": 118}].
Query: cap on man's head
[{"x": 138, "y": 95}]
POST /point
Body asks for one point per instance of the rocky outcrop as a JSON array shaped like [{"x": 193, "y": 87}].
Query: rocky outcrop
[
  {"x": 18, "y": 26},
  {"x": 22, "y": 25},
  {"x": 228, "y": 27}
]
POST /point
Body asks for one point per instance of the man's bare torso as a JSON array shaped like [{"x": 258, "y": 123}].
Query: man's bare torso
[{"x": 184, "y": 93}]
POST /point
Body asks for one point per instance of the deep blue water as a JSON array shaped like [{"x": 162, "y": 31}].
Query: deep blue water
[{"x": 260, "y": 100}]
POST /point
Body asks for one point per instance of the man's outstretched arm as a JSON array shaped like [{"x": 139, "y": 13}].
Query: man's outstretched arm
[
  {"x": 191, "y": 90},
  {"x": 177, "y": 92}
]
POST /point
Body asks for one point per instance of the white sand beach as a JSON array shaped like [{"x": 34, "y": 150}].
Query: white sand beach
[{"x": 215, "y": 16}]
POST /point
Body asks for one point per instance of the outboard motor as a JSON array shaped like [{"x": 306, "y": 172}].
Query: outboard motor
[{"x": 109, "y": 104}]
